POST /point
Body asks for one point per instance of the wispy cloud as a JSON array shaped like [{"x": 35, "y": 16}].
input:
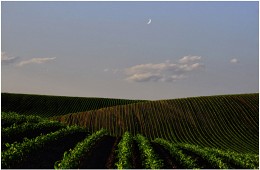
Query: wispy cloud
[
  {"x": 5, "y": 59},
  {"x": 234, "y": 61},
  {"x": 35, "y": 61},
  {"x": 188, "y": 59},
  {"x": 165, "y": 71}
]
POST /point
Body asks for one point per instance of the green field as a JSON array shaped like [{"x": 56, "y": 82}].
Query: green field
[
  {"x": 48, "y": 106},
  {"x": 72, "y": 147},
  {"x": 199, "y": 132},
  {"x": 226, "y": 122}
]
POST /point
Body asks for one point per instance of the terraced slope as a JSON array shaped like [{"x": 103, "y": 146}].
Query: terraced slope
[
  {"x": 48, "y": 106},
  {"x": 226, "y": 122},
  {"x": 72, "y": 147}
]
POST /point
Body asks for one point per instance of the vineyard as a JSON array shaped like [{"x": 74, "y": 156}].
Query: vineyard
[
  {"x": 72, "y": 147},
  {"x": 228, "y": 122},
  {"x": 48, "y": 106},
  {"x": 80, "y": 133}
]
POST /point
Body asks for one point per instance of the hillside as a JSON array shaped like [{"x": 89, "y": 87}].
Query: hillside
[
  {"x": 48, "y": 106},
  {"x": 28, "y": 139},
  {"x": 227, "y": 122}
]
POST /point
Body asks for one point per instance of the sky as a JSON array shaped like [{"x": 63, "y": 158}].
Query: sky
[{"x": 130, "y": 50}]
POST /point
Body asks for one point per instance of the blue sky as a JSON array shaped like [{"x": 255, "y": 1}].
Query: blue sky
[{"x": 107, "y": 49}]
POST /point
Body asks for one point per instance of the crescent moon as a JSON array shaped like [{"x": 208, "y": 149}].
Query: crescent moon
[{"x": 149, "y": 22}]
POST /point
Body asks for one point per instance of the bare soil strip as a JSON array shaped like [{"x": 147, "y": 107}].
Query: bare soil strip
[
  {"x": 136, "y": 162},
  {"x": 112, "y": 157},
  {"x": 202, "y": 163},
  {"x": 99, "y": 154},
  {"x": 46, "y": 157},
  {"x": 169, "y": 161}
]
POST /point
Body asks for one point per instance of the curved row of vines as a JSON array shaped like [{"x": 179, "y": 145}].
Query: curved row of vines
[
  {"x": 226, "y": 122},
  {"x": 48, "y": 106},
  {"x": 73, "y": 147}
]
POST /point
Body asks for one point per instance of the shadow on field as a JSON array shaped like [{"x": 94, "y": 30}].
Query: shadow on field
[
  {"x": 99, "y": 155},
  {"x": 46, "y": 157},
  {"x": 169, "y": 161}
]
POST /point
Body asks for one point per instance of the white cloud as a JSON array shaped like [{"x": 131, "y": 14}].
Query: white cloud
[
  {"x": 234, "y": 61},
  {"x": 35, "y": 61},
  {"x": 114, "y": 71},
  {"x": 5, "y": 59},
  {"x": 173, "y": 78},
  {"x": 165, "y": 71},
  {"x": 142, "y": 77},
  {"x": 189, "y": 59}
]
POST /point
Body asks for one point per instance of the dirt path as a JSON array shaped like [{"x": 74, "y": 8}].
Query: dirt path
[
  {"x": 52, "y": 152},
  {"x": 99, "y": 154},
  {"x": 202, "y": 163},
  {"x": 136, "y": 162},
  {"x": 110, "y": 164},
  {"x": 169, "y": 161}
]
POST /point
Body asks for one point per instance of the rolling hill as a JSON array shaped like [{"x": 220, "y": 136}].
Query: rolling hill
[
  {"x": 48, "y": 106},
  {"x": 31, "y": 142},
  {"x": 228, "y": 122}
]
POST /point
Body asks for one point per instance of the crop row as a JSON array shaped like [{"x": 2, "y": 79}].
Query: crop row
[
  {"x": 185, "y": 155},
  {"x": 184, "y": 160},
  {"x": 124, "y": 152},
  {"x": 71, "y": 159},
  {"x": 223, "y": 159},
  {"x": 49, "y": 106},
  {"x": 18, "y": 152},
  {"x": 246, "y": 161},
  {"x": 212, "y": 159},
  {"x": 16, "y": 133},
  {"x": 10, "y": 118},
  {"x": 149, "y": 157},
  {"x": 226, "y": 122}
]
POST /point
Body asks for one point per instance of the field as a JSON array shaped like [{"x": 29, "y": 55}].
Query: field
[
  {"x": 226, "y": 122},
  {"x": 70, "y": 147},
  {"x": 200, "y": 132},
  {"x": 48, "y": 106}
]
